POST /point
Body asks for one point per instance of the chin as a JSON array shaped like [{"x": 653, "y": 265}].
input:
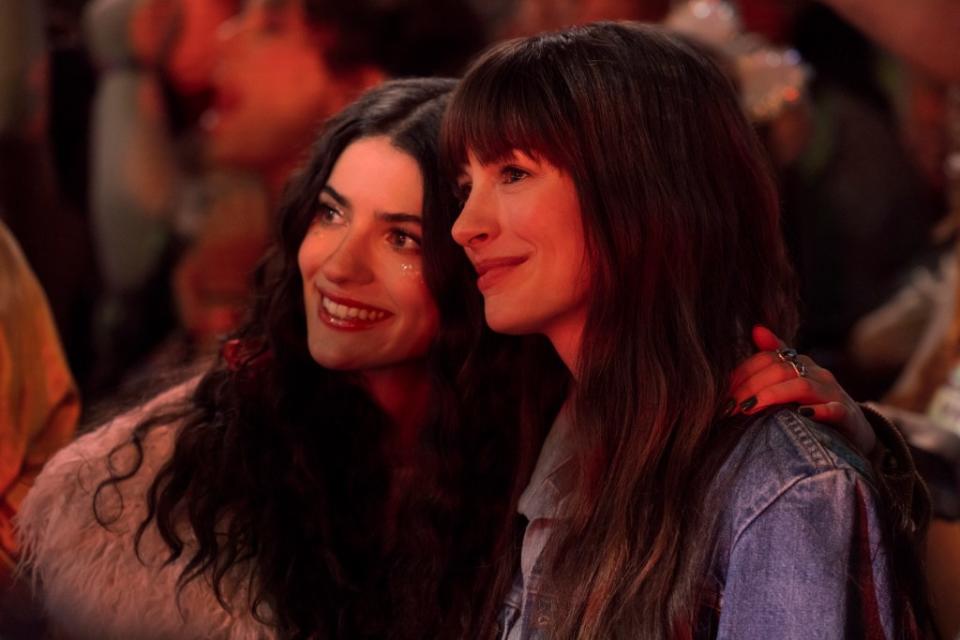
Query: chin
[
  {"x": 331, "y": 360},
  {"x": 510, "y": 323}
]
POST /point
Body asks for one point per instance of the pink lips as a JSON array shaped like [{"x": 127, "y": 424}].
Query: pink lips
[
  {"x": 349, "y": 324},
  {"x": 491, "y": 271}
]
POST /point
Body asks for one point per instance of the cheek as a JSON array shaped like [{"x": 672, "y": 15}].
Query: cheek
[
  {"x": 417, "y": 302},
  {"x": 303, "y": 259},
  {"x": 311, "y": 253},
  {"x": 568, "y": 244},
  {"x": 562, "y": 257},
  {"x": 576, "y": 267},
  {"x": 577, "y": 249},
  {"x": 412, "y": 289},
  {"x": 430, "y": 326}
]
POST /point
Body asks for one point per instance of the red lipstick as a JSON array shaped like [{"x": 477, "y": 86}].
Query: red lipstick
[
  {"x": 492, "y": 270},
  {"x": 346, "y": 314}
]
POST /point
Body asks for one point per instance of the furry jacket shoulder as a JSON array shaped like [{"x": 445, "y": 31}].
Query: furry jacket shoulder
[{"x": 89, "y": 578}]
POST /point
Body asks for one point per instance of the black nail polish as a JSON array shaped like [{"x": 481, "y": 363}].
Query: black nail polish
[
  {"x": 806, "y": 412},
  {"x": 749, "y": 403},
  {"x": 728, "y": 408}
]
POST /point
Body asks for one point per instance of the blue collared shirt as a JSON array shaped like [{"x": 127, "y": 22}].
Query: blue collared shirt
[
  {"x": 798, "y": 550},
  {"x": 541, "y": 504}
]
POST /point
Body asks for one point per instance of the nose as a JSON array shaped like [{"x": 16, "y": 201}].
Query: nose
[
  {"x": 348, "y": 263},
  {"x": 476, "y": 223}
]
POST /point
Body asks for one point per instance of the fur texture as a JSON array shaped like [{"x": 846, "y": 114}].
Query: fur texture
[{"x": 89, "y": 578}]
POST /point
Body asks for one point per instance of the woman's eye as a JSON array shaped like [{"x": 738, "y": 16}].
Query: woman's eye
[
  {"x": 511, "y": 174},
  {"x": 400, "y": 239},
  {"x": 327, "y": 214}
]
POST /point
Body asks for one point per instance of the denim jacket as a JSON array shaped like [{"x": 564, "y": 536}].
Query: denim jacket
[{"x": 798, "y": 551}]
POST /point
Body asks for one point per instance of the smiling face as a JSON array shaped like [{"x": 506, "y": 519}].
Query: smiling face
[
  {"x": 522, "y": 229},
  {"x": 367, "y": 305}
]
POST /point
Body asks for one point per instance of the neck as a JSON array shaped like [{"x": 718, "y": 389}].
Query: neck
[
  {"x": 566, "y": 336},
  {"x": 404, "y": 395}
]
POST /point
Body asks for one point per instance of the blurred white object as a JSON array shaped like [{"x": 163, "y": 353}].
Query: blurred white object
[
  {"x": 909, "y": 327},
  {"x": 133, "y": 165},
  {"x": 771, "y": 78},
  {"x": 712, "y": 22}
]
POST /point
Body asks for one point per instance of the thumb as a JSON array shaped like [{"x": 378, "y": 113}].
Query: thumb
[{"x": 766, "y": 340}]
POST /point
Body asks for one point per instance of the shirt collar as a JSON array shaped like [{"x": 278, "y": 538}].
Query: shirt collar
[{"x": 554, "y": 474}]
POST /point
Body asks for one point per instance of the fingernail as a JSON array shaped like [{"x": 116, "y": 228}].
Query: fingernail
[
  {"x": 728, "y": 408},
  {"x": 806, "y": 412},
  {"x": 748, "y": 404}
]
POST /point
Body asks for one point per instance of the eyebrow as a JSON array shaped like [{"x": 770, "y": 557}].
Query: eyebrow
[
  {"x": 340, "y": 198},
  {"x": 393, "y": 218},
  {"x": 396, "y": 218}
]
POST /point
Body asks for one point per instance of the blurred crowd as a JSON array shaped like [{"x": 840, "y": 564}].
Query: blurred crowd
[{"x": 144, "y": 145}]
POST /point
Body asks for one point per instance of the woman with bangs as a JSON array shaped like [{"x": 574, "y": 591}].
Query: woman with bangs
[{"x": 616, "y": 201}]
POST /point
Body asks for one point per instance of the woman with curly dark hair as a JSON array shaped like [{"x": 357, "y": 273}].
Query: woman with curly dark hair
[{"x": 263, "y": 499}]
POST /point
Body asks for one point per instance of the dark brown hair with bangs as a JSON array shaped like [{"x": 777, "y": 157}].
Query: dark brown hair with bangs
[
  {"x": 676, "y": 197},
  {"x": 499, "y": 111}
]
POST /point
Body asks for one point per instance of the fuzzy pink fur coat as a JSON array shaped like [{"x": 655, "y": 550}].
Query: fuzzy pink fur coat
[{"x": 89, "y": 578}]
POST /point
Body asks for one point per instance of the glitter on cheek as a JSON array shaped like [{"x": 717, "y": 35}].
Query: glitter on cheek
[{"x": 411, "y": 270}]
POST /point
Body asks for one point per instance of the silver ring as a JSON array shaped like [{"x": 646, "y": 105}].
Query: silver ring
[
  {"x": 791, "y": 356},
  {"x": 787, "y": 354},
  {"x": 799, "y": 367}
]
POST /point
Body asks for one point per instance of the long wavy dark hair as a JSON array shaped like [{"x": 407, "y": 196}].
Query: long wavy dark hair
[
  {"x": 277, "y": 469},
  {"x": 681, "y": 221}
]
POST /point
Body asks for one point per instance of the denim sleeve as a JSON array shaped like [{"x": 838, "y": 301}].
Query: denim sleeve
[{"x": 809, "y": 565}]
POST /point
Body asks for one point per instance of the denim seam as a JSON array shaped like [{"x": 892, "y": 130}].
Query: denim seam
[
  {"x": 786, "y": 488},
  {"x": 801, "y": 434}
]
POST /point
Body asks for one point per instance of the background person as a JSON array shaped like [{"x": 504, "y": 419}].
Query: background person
[{"x": 39, "y": 408}]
